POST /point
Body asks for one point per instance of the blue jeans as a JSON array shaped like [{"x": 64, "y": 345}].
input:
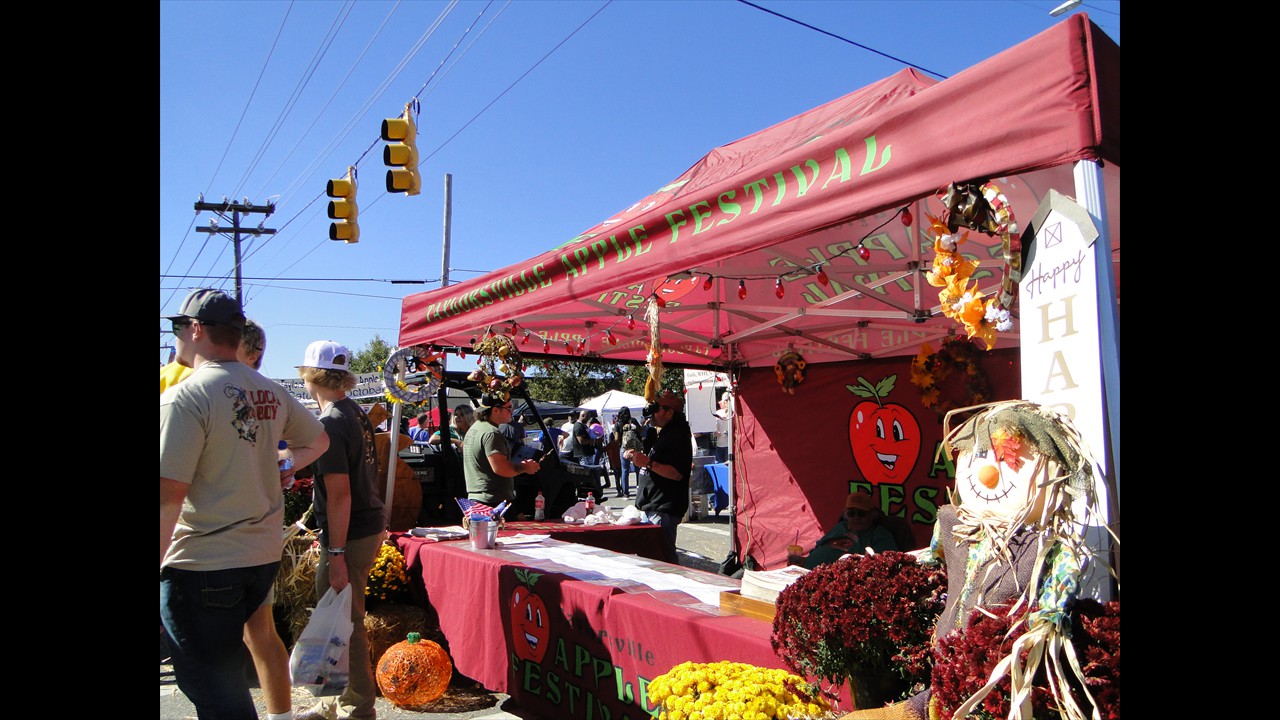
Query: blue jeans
[
  {"x": 204, "y": 613},
  {"x": 624, "y": 477},
  {"x": 670, "y": 523}
]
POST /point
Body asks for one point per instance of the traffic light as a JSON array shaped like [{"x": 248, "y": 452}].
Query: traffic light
[
  {"x": 342, "y": 208},
  {"x": 401, "y": 153}
]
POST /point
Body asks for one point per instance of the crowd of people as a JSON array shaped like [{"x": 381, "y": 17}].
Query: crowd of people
[{"x": 225, "y": 431}]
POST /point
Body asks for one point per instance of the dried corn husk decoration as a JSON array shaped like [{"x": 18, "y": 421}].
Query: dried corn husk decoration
[{"x": 653, "y": 386}]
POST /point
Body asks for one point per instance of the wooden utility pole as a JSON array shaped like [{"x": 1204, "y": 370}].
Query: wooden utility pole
[{"x": 236, "y": 210}]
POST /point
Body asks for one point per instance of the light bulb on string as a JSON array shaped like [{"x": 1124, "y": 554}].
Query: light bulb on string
[
  {"x": 612, "y": 340},
  {"x": 546, "y": 346},
  {"x": 631, "y": 323},
  {"x": 706, "y": 284},
  {"x": 863, "y": 253},
  {"x": 699, "y": 386},
  {"x": 906, "y": 217},
  {"x": 661, "y": 302},
  {"x": 742, "y": 289},
  {"x": 777, "y": 289},
  {"x": 582, "y": 345},
  {"x": 462, "y": 354},
  {"x": 822, "y": 276},
  {"x": 568, "y": 346},
  {"x": 525, "y": 341}
]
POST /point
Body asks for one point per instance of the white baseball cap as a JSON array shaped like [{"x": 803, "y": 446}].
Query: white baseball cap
[{"x": 327, "y": 355}]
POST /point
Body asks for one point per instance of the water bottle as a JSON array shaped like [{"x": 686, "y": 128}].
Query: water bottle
[
  {"x": 287, "y": 463},
  {"x": 540, "y": 507},
  {"x": 590, "y": 502}
]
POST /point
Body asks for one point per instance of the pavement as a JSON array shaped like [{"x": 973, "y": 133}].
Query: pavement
[{"x": 701, "y": 543}]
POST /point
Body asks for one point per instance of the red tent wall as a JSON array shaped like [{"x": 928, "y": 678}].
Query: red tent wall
[{"x": 795, "y": 461}]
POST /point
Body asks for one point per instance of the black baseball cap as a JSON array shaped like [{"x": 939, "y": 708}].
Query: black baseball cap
[{"x": 213, "y": 307}]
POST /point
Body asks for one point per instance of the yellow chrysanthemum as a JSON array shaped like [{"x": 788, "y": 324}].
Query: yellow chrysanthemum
[{"x": 726, "y": 690}]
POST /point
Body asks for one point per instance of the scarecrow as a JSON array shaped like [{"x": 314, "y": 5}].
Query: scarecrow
[{"x": 1013, "y": 538}]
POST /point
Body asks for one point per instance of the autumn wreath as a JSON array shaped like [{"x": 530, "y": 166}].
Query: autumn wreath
[
  {"x": 501, "y": 368},
  {"x": 790, "y": 371},
  {"x": 416, "y": 359},
  {"x": 929, "y": 369},
  {"x": 982, "y": 207}
]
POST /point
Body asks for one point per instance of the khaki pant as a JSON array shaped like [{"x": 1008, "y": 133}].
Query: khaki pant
[{"x": 361, "y": 695}]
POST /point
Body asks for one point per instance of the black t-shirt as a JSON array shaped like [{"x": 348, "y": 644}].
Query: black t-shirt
[
  {"x": 578, "y": 448},
  {"x": 673, "y": 445}
]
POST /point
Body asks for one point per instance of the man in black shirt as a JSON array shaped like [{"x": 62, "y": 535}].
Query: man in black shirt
[{"x": 665, "y": 466}]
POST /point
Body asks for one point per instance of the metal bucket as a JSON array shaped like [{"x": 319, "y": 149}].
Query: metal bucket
[{"x": 484, "y": 534}]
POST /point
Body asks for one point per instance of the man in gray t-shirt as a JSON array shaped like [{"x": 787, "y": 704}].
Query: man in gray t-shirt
[{"x": 221, "y": 506}]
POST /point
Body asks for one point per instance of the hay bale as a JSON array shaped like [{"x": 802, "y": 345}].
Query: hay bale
[
  {"x": 295, "y": 586},
  {"x": 389, "y": 623}
]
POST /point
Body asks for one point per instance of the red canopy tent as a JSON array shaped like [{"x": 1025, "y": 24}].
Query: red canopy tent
[{"x": 737, "y": 243}]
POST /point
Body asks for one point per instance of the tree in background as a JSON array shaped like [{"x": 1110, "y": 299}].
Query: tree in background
[
  {"x": 372, "y": 356},
  {"x": 635, "y": 376},
  {"x": 572, "y": 381}
]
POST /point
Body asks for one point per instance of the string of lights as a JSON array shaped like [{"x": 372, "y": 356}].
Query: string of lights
[{"x": 607, "y": 335}]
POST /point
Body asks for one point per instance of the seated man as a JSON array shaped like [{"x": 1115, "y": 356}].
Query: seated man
[{"x": 859, "y": 528}]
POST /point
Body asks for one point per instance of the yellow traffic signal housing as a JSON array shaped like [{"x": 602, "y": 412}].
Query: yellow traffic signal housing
[
  {"x": 342, "y": 208},
  {"x": 401, "y": 153}
]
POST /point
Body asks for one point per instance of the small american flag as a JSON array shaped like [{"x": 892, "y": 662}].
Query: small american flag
[{"x": 472, "y": 508}]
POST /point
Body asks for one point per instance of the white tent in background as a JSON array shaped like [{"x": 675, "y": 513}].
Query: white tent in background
[{"x": 608, "y": 405}]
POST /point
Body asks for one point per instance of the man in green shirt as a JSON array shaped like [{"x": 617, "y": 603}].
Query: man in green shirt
[{"x": 486, "y": 462}]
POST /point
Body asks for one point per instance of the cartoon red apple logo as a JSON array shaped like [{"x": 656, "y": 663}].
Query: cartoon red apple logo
[
  {"x": 530, "y": 626},
  {"x": 672, "y": 289},
  {"x": 885, "y": 437}
]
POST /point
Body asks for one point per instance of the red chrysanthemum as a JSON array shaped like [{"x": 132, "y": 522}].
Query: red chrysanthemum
[
  {"x": 862, "y": 614},
  {"x": 964, "y": 660}
]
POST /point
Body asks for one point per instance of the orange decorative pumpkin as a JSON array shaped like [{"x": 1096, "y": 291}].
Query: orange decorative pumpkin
[{"x": 414, "y": 672}]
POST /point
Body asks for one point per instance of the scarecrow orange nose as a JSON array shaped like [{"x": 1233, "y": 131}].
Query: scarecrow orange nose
[{"x": 989, "y": 475}]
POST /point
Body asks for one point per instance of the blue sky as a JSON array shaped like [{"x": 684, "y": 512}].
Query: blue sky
[{"x": 549, "y": 116}]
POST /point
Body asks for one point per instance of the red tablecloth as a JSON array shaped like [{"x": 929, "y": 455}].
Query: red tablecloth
[
  {"x": 566, "y": 642},
  {"x": 642, "y": 540}
]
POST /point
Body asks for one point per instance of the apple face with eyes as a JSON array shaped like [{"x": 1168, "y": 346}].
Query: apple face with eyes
[
  {"x": 530, "y": 625},
  {"x": 884, "y": 437}
]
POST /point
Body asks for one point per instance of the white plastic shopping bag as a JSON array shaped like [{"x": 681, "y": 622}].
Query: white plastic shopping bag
[{"x": 320, "y": 659}]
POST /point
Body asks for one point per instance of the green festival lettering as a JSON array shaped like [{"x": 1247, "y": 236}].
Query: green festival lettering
[
  {"x": 584, "y": 685},
  {"x": 702, "y": 217}
]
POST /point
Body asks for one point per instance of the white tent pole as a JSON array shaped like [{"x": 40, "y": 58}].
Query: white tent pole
[{"x": 1091, "y": 195}]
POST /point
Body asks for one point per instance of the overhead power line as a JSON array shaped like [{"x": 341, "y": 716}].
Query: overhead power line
[
  {"x": 843, "y": 39},
  {"x": 315, "y": 279}
]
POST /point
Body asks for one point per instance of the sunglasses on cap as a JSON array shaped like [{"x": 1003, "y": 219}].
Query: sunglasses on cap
[{"x": 180, "y": 324}]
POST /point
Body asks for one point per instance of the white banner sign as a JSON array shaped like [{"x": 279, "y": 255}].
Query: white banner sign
[
  {"x": 1061, "y": 346},
  {"x": 369, "y": 388}
]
